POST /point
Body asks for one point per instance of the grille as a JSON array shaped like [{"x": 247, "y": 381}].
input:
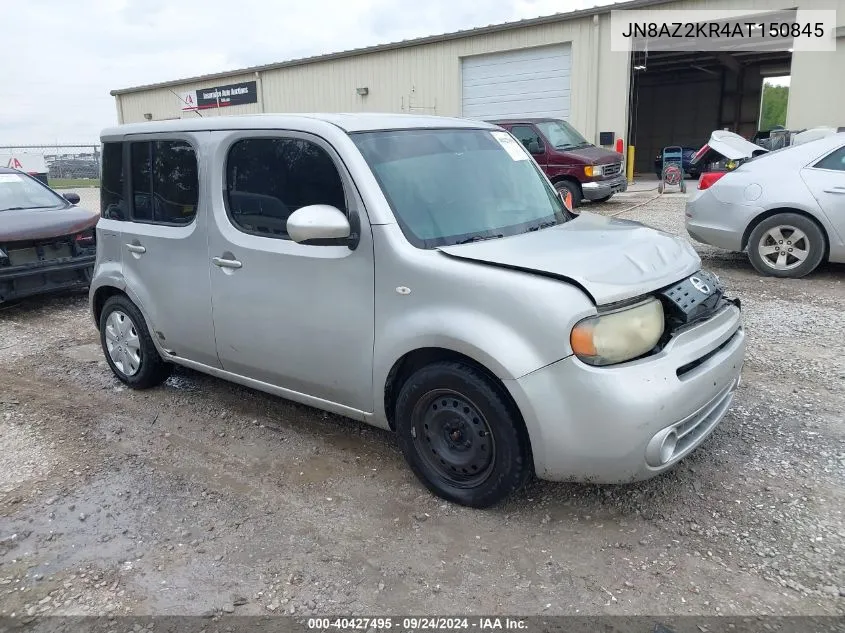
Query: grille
[{"x": 611, "y": 170}]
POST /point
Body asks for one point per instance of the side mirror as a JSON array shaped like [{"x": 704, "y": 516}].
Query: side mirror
[
  {"x": 319, "y": 224},
  {"x": 73, "y": 198}
]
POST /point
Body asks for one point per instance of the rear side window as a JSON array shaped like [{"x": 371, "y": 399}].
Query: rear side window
[
  {"x": 835, "y": 161},
  {"x": 267, "y": 179},
  {"x": 112, "y": 204},
  {"x": 165, "y": 182}
]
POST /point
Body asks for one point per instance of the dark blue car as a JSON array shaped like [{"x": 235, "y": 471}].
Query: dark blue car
[{"x": 693, "y": 172}]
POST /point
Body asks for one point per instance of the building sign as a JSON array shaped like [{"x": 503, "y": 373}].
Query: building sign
[{"x": 220, "y": 96}]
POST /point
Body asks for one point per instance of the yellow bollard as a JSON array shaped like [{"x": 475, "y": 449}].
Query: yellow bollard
[{"x": 629, "y": 166}]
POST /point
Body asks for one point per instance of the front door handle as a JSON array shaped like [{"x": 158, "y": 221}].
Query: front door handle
[
  {"x": 226, "y": 263},
  {"x": 835, "y": 190},
  {"x": 136, "y": 248}
]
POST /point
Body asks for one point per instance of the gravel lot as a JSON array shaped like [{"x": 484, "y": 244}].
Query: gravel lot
[{"x": 203, "y": 497}]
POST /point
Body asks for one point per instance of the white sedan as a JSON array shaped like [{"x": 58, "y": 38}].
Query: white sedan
[{"x": 786, "y": 208}]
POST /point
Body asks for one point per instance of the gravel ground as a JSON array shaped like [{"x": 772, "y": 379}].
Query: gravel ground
[{"x": 202, "y": 497}]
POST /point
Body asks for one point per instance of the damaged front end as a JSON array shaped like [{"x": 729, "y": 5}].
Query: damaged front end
[{"x": 35, "y": 266}]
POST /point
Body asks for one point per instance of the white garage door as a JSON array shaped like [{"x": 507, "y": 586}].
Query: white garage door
[{"x": 528, "y": 82}]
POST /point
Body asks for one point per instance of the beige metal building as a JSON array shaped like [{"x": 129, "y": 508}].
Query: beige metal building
[{"x": 560, "y": 65}]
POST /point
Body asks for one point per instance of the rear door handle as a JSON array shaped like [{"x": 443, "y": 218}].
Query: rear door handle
[
  {"x": 136, "y": 248},
  {"x": 226, "y": 263}
]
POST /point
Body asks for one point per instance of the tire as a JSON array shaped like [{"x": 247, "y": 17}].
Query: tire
[
  {"x": 660, "y": 187},
  {"x": 683, "y": 187},
  {"x": 605, "y": 199},
  {"x": 796, "y": 233},
  {"x": 473, "y": 450},
  {"x": 574, "y": 189},
  {"x": 133, "y": 357}
]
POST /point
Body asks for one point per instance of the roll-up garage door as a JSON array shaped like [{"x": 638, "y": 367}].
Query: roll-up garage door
[{"x": 530, "y": 82}]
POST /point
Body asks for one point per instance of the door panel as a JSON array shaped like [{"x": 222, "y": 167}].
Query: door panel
[
  {"x": 164, "y": 249},
  {"x": 826, "y": 182},
  {"x": 296, "y": 316}
]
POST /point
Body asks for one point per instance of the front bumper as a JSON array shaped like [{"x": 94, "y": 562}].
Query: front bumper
[
  {"x": 17, "y": 282},
  {"x": 608, "y": 424},
  {"x": 598, "y": 189}
]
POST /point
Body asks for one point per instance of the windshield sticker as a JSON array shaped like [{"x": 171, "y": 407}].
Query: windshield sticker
[
  {"x": 10, "y": 178},
  {"x": 513, "y": 148}
]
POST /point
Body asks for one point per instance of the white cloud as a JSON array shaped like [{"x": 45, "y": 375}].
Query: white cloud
[{"x": 61, "y": 58}]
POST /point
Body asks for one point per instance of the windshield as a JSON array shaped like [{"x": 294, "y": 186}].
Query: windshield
[
  {"x": 455, "y": 186},
  {"x": 562, "y": 135},
  {"x": 19, "y": 191}
]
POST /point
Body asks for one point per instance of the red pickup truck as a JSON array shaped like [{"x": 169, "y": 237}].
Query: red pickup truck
[{"x": 570, "y": 161}]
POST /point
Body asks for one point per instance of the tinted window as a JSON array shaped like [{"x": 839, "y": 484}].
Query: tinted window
[
  {"x": 836, "y": 160},
  {"x": 112, "y": 204},
  {"x": 165, "y": 183},
  {"x": 529, "y": 138},
  {"x": 267, "y": 179}
]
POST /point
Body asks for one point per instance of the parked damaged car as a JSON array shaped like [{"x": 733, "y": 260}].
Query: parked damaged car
[
  {"x": 47, "y": 243},
  {"x": 785, "y": 208}
]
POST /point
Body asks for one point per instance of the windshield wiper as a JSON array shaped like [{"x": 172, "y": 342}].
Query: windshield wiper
[
  {"x": 541, "y": 225},
  {"x": 49, "y": 206},
  {"x": 479, "y": 238}
]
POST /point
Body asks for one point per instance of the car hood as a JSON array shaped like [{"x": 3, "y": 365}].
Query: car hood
[
  {"x": 42, "y": 224},
  {"x": 594, "y": 155},
  {"x": 610, "y": 259}
]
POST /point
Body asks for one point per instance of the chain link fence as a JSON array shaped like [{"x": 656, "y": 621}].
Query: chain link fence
[{"x": 60, "y": 166}]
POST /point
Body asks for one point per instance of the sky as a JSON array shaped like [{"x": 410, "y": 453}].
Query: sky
[{"x": 62, "y": 57}]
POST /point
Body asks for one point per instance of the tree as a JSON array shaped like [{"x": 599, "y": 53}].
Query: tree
[{"x": 773, "y": 109}]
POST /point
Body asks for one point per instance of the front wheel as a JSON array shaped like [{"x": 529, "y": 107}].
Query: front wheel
[
  {"x": 461, "y": 436},
  {"x": 786, "y": 245},
  {"x": 572, "y": 188}
]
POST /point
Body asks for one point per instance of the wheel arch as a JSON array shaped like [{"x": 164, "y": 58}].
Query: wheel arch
[
  {"x": 99, "y": 298},
  {"x": 779, "y": 210},
  {"x": 415, "y": 359}
]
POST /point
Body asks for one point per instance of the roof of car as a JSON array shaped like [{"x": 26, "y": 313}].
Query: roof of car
[
  {"x": 8, "y": 170},
  {"x": 351, "y": 122},
  {"x": 527, "y": 119}
]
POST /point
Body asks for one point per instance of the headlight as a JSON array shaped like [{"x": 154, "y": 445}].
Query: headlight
[
  {"x": 615, "y": 337},
  {"x": 592, "y": 170}
]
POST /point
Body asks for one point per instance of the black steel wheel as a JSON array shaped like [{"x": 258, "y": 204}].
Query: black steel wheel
[
  {"x": 453, "y": 437},
  {"x": 461, "y": 435}
]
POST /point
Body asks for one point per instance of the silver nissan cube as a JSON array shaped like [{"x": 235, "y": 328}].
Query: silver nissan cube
[{"x": 420, "y": 274}]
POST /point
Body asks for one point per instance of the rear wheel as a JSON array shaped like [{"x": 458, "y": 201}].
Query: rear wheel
[
  {"x": 786, "y": 245},
  {"x": 129, "y": 349},
  {"x": 460, "y": 435},
  {"x": 573, "y": 188}
]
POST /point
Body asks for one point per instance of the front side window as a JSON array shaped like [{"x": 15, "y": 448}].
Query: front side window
[
  {"x": 561, "y": 135},
  {"x": 835, "y": 161},
  {"x": 19, "y": 191},
  {"x": 454, "y": 186},
  {"x": 111, "y": 185},
  {"x": 267, "y": 179},
  {"x": 529, "y": 138},
  {"x": 165, "y": 182}
]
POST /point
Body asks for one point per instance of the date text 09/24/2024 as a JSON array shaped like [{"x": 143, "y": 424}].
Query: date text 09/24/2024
[{"x": 416, "y": 623}]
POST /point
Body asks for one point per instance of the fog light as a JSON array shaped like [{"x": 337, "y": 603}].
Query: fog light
[{"x": 667, "y": 447}]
